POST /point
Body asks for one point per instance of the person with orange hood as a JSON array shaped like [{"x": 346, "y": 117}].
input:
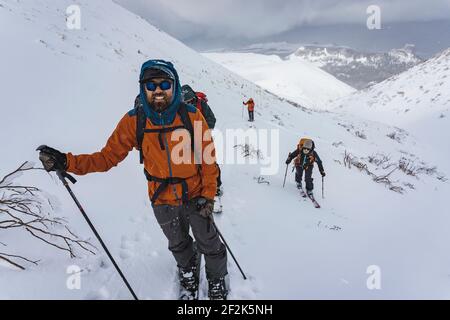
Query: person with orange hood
[
  {"x": 182, "y": 192},
  {"x": 251, "y": 109}
]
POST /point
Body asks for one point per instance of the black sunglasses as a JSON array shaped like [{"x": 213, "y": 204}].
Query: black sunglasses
[{"x": 164, "y": 85}]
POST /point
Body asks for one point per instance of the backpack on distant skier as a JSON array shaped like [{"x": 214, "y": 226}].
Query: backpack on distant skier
[
  {"x": 300, "y": 145},
  {"x": 141, "y": 120}
]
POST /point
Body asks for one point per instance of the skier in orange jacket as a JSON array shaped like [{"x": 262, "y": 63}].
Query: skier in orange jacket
[
  {"x": 182, "y": 193},
  {"x": 251, "y": 109}
]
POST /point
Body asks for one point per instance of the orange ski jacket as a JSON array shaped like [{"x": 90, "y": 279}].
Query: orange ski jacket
[
  {"x": 250, "y": 104},
  {"x": 159, "y": 159}
]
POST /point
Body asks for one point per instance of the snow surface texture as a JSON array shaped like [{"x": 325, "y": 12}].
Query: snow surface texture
[
  {"x": 294, "y": 79},
  {"x": 69, "y": 88}
]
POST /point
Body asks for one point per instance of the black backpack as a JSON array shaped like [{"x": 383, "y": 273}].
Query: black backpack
[{"x": 141, "y": 120}]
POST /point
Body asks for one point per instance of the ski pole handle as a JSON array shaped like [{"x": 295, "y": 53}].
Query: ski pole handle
[{"x": 63, "y": 174}]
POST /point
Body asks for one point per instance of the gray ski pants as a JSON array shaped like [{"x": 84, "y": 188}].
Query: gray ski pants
[{"x": 175, "y": 222}]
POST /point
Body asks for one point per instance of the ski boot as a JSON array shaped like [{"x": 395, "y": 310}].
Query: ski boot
[
  {"x": 299, "y": 186},
  {"x": 310, "y": 193},
  {"x": 189, "y": 279},
  {"x": 217, "y": 289}
]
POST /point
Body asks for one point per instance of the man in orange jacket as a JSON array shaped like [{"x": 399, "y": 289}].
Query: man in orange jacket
[
  {"x": 182, "y": 192},
  {"x": 251, "y": 109}
]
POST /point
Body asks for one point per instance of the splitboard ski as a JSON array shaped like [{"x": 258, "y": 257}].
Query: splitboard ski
[
  {"x": 303, "y": 193},
  {"x": 310, "y": 196}
]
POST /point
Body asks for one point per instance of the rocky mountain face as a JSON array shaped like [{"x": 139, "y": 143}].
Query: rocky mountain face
[{"x": 359, "y": 69}]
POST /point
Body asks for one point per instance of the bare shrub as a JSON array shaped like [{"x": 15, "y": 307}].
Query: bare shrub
[
  {"x": 26, "y": 209},
  {"x": 248, "y": 151},
  {"x": 352, "y": 161}
]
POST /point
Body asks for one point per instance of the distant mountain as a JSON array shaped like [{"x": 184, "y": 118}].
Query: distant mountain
[
  {"x": 281, "y": 49},
  {"x": 356, "y": 68},
  {"x": 294, "y": 79},
  {"x": 359, "y": 69},
  {"x": 417, "y": 100}
]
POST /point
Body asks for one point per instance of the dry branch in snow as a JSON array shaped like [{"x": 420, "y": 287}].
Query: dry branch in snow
[{"x": 25, "y": 209}]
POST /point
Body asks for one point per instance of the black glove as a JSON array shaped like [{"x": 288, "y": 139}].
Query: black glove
[
  {"x": 289, "y": 159},
  {"x": 323, "y": 173},
  {"x": 52, "y": 159},
  {"x": 205, "y": 207}
]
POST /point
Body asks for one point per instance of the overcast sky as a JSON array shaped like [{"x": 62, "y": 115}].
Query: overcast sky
[{"x": 254, "y": 19}]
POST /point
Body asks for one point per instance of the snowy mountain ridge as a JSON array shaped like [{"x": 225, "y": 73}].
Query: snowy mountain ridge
[
  {"x": 292, "y": 79},
  {"x": 356, "y": 68},
  {"x": 340, "y": 56},
  {"x": 359, "y": 69}
]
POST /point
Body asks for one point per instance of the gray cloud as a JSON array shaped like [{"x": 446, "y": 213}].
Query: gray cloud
[{"x": 262, "y": 18}]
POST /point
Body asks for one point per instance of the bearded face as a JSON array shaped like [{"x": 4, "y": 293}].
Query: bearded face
[{"x": 159, "y": 93}]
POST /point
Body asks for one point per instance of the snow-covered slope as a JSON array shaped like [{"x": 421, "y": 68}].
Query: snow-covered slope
[
  {"x": 295, "y": 80},
  {"x": 69, "y": 88},
  {"x": 417, "y": 100}
]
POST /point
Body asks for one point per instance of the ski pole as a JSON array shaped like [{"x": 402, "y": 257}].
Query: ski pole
[
  {"x": 62, "y": 175},
  {"x": 285, "y": 174},
  {"x": 323, "y": 197},
  {"x": 242, "y": 113},
  {"x": 228, "y": 248}
]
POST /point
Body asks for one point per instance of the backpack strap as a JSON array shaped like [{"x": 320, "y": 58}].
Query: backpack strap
[
  {"x": 160, "y": 131},
  {"x": 140, "y": 131},
  {"x": 199, "y": 105},
  {"x": 141, "y": 120},
  {"x": 164, "y": 183},
  {"x": 186, "y": 120}
]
